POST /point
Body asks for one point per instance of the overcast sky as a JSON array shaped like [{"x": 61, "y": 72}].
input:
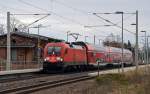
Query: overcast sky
[{"x": 73, "y": 15}]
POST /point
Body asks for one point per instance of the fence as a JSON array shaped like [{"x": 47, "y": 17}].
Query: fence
[{"x": 18, "y": 65}]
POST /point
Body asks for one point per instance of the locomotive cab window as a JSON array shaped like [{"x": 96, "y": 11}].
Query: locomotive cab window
[
  {"x": 55, "y": 50},
  {"x": 50, "y": 50}
]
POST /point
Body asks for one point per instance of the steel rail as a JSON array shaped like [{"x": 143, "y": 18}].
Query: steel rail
[
  {"x": 19, "y": 77},
  {"x": 44, "y": 85}
]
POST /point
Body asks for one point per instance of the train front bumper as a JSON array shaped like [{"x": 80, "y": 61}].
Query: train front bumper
[{"x": 52, "y": 66}]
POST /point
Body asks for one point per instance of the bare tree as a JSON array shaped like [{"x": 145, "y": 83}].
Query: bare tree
[
  {"x": 2, "y": 29},
  {"x": 18, "y": 26}
]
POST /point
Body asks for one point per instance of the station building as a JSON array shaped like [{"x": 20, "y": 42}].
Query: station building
[{"x": 24, "y": 49}]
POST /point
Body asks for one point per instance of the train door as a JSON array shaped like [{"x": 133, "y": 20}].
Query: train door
[{"x": 91, "y": 57}]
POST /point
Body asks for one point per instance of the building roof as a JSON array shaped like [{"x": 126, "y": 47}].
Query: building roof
[{"x": 32, "y": 36}]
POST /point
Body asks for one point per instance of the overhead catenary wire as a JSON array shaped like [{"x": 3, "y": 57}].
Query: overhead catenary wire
[
  {"x": 126, "y": 18},
  {"x": 31, "y": 5},
  {"x": 79, "y": 10},
  {"x": 85, "y": 12},
  {"x": 112, "y": 23},
  {"x": 5, "y": 8},
  {"x": 51, "y": 12},
  {"x": 146, "y": 27},
  {"x": 34, "y": 6},
  {"x": 73, "y": 8}
]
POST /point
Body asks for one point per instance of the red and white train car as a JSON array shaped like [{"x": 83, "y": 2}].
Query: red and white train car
[{"x": 114, "y": 55}]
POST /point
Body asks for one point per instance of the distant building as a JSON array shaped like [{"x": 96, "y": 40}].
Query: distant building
[{"x": 24, "y": 46}]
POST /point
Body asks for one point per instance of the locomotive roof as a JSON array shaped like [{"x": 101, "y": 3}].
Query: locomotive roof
[{"x": 67, "y": 44}]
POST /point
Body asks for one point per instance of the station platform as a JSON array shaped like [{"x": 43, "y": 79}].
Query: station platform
[
  {"x": 19, "y": 71},
  {"x": 112, "y": 71}
]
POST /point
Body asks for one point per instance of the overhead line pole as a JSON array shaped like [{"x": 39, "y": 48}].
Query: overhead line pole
[
  {"x": 122, "y": 64},
  {"x": 39, "y": 45},
  {"x": 136, "y": 42},
  {"x": 8, "y": 43},
  {"x": 147, "y": 51},
  {"x": 68, "y": 36},
  {"x": 94, "y": 39},
  {"x": 85, "y": 38},
  {"x": 136, "y": 46}
]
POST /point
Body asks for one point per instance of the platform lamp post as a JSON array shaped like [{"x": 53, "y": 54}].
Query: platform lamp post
[
  {"x": 145, "y": 47},
  {"x": 122, "y": 42},
  {"x": 99, "y": 61},
  {"x": 85, "y": 37},
  {"x": 100, "y": 41},
  {"x": 148, "y": 54},
  {"x": 145, "y": 50},
  {"x": 68, "y": 35},
  {"x": 148, "y": 49}
]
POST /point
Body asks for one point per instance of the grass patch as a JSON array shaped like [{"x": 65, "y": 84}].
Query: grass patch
[
  {"x": 112, "y": 78},
  {"x": 129, "y": 83}
]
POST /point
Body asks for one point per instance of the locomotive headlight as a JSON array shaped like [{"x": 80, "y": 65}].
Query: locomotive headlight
[
  {"x": 46, "y": 59},
  {"x": 59, "y": 59}
]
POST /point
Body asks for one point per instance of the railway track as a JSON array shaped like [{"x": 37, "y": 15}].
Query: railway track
[
  {"x": 27, "y": 76},
  {"x": 44, "y": 85},
  {"x": 18, "y": 77}
]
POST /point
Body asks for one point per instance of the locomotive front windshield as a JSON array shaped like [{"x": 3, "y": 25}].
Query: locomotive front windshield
[{"x": 54, "y": 50}]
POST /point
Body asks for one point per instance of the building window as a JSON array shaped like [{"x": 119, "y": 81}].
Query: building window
[
  {"x": 14, "y": 41},
  {"x": 14, "y": 54}
]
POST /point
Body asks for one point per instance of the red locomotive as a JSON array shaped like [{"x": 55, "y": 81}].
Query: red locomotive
[{"x": 79, "y": 54}]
